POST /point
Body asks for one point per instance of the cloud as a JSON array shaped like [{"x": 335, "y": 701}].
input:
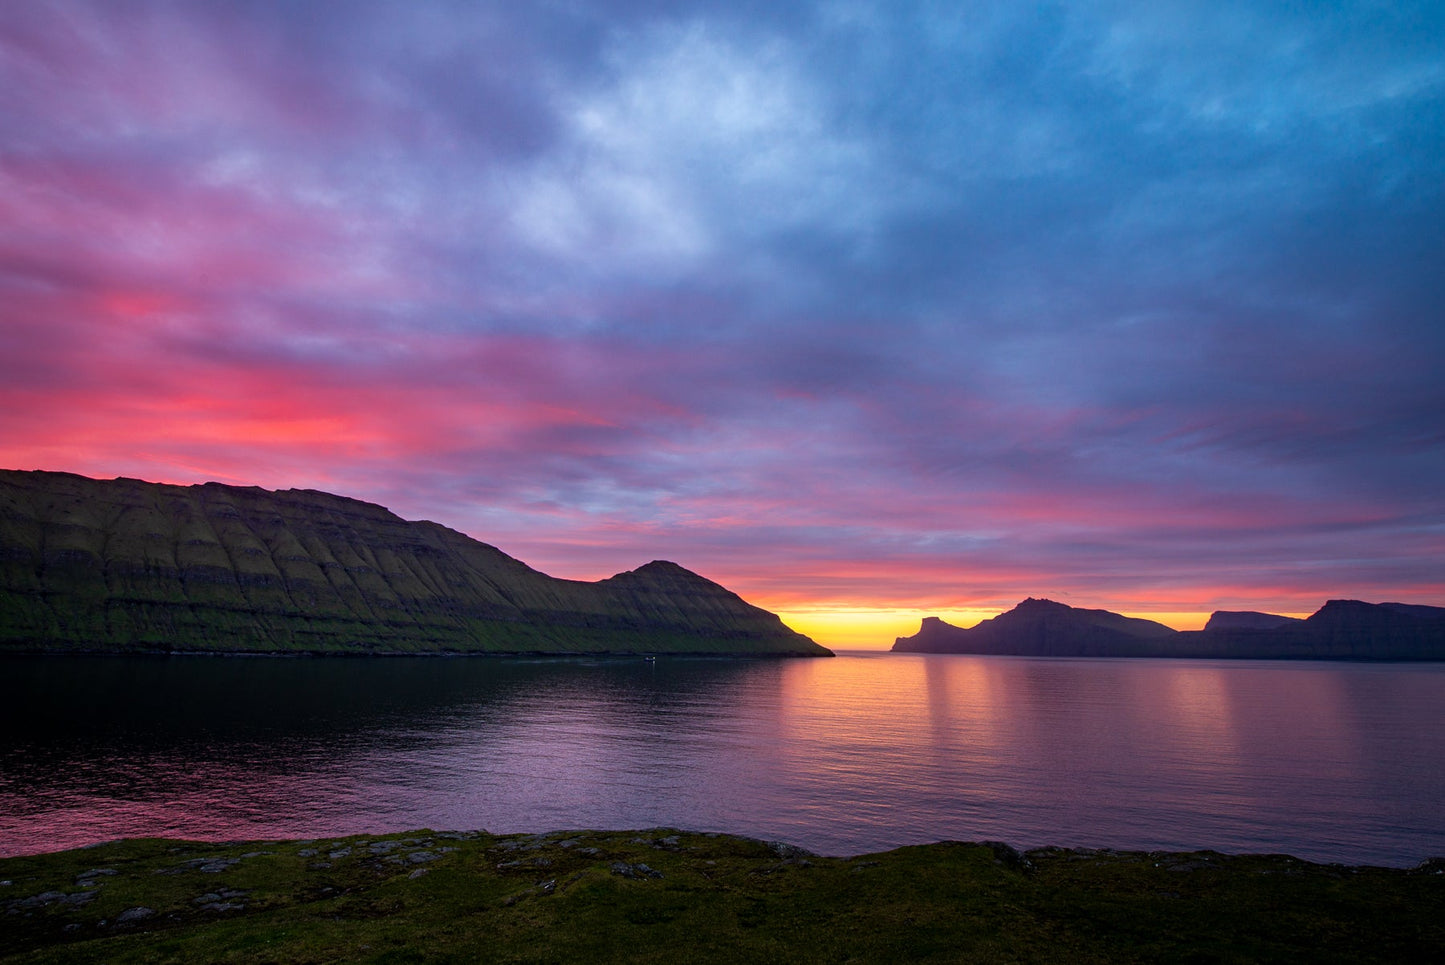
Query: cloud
[
  {"x": 839, "y": 301},
  {"x": 698, "y": 144}
]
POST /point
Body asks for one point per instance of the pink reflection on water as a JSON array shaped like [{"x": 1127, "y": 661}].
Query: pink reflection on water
[
  {"x": 1092, "y": 752},
  {"x": 864, "y": 752}
]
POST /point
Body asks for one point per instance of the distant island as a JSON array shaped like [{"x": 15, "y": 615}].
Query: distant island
[
  {"x": 1340, "y": 630},
  {"x": 126, "y": 566}
]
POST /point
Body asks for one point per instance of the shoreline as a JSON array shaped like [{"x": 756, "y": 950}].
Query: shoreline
[
  {"x": 667, "y": 895},
  {"x": 1434, "y": 864},
  {"x": 509, "y": 654}
]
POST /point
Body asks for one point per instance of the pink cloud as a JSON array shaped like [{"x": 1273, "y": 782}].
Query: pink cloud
[{"x": 252, "y": 244}]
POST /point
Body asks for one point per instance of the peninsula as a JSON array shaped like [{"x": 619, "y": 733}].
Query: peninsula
[
  {"x": 126, "y": 566},
  {"x": 1340, "y": 630}
]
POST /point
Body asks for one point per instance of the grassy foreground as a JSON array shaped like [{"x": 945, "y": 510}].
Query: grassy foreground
[{"x": 670, "y": 896}]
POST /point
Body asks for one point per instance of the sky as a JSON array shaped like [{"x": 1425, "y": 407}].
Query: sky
[{"x": 865, "y": 310}]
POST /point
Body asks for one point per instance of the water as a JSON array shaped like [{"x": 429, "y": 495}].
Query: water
[{"x": 1326, "y": 761}]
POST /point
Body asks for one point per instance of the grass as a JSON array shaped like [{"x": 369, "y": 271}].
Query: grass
[{"x": 671, "y": 896}]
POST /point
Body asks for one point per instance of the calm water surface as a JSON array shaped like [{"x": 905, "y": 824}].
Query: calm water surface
[{"x": 1327, "y": 761}]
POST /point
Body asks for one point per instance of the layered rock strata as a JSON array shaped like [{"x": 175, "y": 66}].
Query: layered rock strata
[{"x": 124, "y": 565}]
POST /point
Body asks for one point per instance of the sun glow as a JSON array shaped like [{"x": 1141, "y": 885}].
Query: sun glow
[
  {"x": 1178, "y": 619},
  {"x": 876, "y": 628},
  {"x": 867, "y": 628}
]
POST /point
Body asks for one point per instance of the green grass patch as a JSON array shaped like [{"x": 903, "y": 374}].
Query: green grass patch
[{"x": 671, "y": 896}]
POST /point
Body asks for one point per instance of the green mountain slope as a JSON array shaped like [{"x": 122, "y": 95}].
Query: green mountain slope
[{"x": 125, "y": 565}]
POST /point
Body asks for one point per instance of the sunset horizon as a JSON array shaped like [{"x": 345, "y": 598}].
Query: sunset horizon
[
  {"x": 865, "y": 313},
  {"x": 871, "y": 626}
]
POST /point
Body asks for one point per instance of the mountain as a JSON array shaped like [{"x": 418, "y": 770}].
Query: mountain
[
  {"x": 124, "y": 565},
  {"x": 1247, "y": 620},
  {"x": 1340, "y": 630},
  {"x": 1042, "y": 628}
]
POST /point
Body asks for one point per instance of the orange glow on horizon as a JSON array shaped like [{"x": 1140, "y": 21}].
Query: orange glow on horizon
[
  {"x": 876, "y": 628},
  {"x": 868, "y": 628}
]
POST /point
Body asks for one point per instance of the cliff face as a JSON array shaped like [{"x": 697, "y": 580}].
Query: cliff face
[
  {"x": 1247, "y": 620},
  {"x": 125, "y": 565},
  {"x": 1340, "y": 630},
  {"x": 1041, "y": 628}
]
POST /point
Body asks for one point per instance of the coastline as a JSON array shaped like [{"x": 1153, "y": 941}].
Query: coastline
[
  {"x": 464, "y": 654},
  {"x": 663, "y": 894}
]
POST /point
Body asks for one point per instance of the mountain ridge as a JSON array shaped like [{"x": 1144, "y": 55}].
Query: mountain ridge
[
  {"x": 1339, "y": 630},
  {"x": 126, "y": 565}
]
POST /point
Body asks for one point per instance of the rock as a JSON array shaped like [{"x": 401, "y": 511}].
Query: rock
[
  {"x": 134, "y": 914},
  {"x": 636, "y": 871},
  {"x": 94, "y": 873},
  {"x": 1009, "y": 856},
  {"x": 210, "y": 865},
  {"x": 538, "y": 862},
  {"x": 211, "y": 898},
  {"x": 789, "y": 851}
]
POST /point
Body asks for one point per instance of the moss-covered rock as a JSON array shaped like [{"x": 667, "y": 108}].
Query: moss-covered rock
[{"x": 671, "y": 896}]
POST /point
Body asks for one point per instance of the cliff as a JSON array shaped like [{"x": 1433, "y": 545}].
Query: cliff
[
  {"x": 125, "y": 565},
  {"x": 1340, "y": 630},
  {"x": 1247, "y": 620},
  {"x": 1042, "y": 628}
]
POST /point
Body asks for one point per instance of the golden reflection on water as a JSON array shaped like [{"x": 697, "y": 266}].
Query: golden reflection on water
[
  {"x": 867, "y": 751},
  {"x": 966, "y": 728},
  {"x": 1196, "y": 707}
]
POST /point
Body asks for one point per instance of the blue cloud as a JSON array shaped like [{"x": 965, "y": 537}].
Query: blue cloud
[{"x": 812, "y": 261}]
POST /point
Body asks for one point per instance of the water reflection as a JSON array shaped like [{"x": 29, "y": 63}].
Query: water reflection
[{"x": 866, "y": 751}]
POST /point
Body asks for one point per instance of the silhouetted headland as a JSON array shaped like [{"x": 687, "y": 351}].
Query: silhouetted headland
[{"x": 1340, "y": 630}]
